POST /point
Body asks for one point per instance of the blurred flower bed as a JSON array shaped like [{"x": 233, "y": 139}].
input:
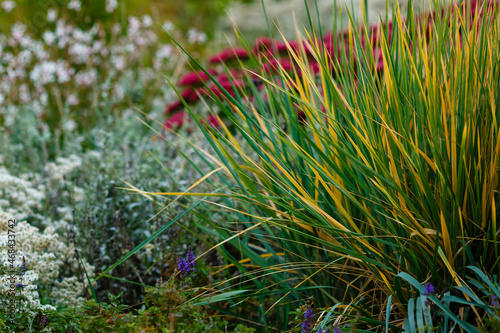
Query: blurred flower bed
[
  {"x": 237, "y": 70},
  {"x": 70, "y": 97},
  {"x": 70, "y": 73}
]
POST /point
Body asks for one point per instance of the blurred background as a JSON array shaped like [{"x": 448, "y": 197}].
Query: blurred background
[{"x": 214, "y": 18}]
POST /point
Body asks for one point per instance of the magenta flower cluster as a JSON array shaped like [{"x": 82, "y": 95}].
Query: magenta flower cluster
[{"x": 274, "y": 56}]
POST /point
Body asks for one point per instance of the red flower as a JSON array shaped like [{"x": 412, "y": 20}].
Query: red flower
[
  {"x": 176, "y": 120},
  {"x": 173, "y": 106},
  {"x": 233, "y": 74},
  {"x": 213, "y": 121},
  {"x": 272, "y": 65},
  {"x": 328, "y": 38},
  {"x": 262, "y": 43},
  {"x": 374, "y": 34},
  {"x": 194, "y": 95},
  {"x": 281, "y": 47},
  {"x": 227, "y": 85},
  {"x": 314, "y": 67},
  {"x": 196, "y": 78},
  {"x": 188, "y": 95},
  {"x": 379, "y": 60},
  {"x": 229, "y": 54}
]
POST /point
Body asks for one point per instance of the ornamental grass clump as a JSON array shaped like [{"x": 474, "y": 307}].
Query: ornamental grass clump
[{"x": 389, "y": 180}]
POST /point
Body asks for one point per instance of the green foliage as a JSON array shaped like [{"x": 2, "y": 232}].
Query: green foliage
[
  {"x": 491, "y": 325},
  {"x": 392, "y": 172},
  {"x": 166, "y": 306}
]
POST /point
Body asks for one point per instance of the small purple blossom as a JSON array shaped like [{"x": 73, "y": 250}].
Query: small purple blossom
[
  {"x": 324, "y": 331},
  {"x": 307, "y": 323},
  {"x": 23, "y": 268},
  {"x": 44, "y": 321},
  {"x": 429, "y": 289},
  {"x": 187, "y": 265},
  {"x": 20, "y": 285},
  {"x": 336, "y": 329},
  {"x": 494, "y": 301}
]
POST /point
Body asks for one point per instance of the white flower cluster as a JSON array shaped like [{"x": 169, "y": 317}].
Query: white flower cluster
[
  {"x": 18, "y": 196},
  {"x": 8, "y": 5},
  {"x": 45, "y": 256},
  {"x": 111, "y": 5},
  {"x": 31, "y": 303},
  {"x": 75, "y": 5},
  {"x": 196, "y": 37},
  {"x": 67, "y": 60},
  {"x": 61, "y": 168}
]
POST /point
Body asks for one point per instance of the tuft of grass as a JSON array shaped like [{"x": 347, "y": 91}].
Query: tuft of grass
[{"x": 391, "y": 172}]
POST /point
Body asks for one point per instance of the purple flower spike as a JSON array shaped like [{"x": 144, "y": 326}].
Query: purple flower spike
[
  {"x": 325, "y": 331},
  {"x": 494, "y": 301},
  {"x": 429, "y": 289},
  {"x": 20, "y": 285},
  {"x": 187, "y": 265},
  {"x": 307, "y": 324},
  {"x": 337, "y": 329}
]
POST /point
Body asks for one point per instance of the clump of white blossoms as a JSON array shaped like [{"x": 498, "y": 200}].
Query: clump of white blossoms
[
  {"x": 79, "y": 68},
  {"x": 46, "y": 255},
  {"x": 62, "y": 167},
  {"x": 19, "y": 196}
]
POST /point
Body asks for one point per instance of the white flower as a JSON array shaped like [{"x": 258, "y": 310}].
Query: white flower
[
  {"x": 133, "y": 26},
  {"x": 61, "y": 29},
  {"x": 87, "y": 78},
  {"x": 147, "y": 21},
  {"x": 78, "y": 195},
  {"x": 44, "y": 98},
  {"x": 63, "y": 74},
  {"x": 8, "y": 5},
  {"x": 44, "y": 72},
  {"x": 24, "y": 93},
  {"x": 75, "y": 5},
  {"x": 51, "y": 15},
  {"x": 63, "y": 167},
  {"x": 164, "y": 52},
  {"x": 118, "y": 62},
  {"x": 80, "y": 52},
  {"x": 168, "y": 26},
  {"x": 195, "y": 36},
  {"x": 72, "y": 100},
  {"x": 18, "y": 31},
  {"x": 116, "y": 29},
  {"x": 49, "y": 37},
  {"x": 69, "y": 125},
  {"x": 2, "y": 99},
  {"x": 111, "y": 5}
]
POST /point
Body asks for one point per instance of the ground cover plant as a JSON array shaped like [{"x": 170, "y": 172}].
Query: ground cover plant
[{"x": 379, "y": 205}]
